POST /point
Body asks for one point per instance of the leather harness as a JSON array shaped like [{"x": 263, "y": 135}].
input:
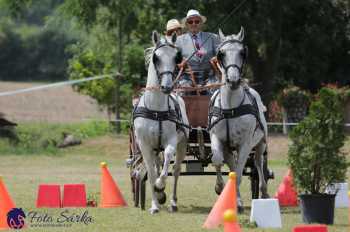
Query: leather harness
[
  {"x": 173, "y": 115},
  {"x": 242, "y": 109}
]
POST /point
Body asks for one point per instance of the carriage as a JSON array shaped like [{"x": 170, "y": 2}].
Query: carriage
[
  {"x": 198, "y": 154},
  {"x": 194, "y": 147}
]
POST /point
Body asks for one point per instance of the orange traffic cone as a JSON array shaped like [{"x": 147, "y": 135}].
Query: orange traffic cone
[
  {"x": 6, "y": 204},
  {"x": 226, "y": 200},
  {"x": 230, "y": 221},
  {"x": 349, "y": 208},
  {"x": 110, "y": 193},
  {"x": 286, "y": 193}
]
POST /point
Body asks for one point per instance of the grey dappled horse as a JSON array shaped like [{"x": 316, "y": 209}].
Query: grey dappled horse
[
  {"x": 159, "y": 120},
  {"x": 234, "y": 119}
]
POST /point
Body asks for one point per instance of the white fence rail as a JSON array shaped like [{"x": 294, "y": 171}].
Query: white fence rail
[
  {"x": 57, "y": 84},
  {"x": 71, "y": 82}
]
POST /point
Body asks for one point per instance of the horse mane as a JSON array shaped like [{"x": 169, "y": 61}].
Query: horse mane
[
  {"x": 149, "y": 51},
  {"x": 151, "y": 72},
  {"x": 148, "y": 55}
]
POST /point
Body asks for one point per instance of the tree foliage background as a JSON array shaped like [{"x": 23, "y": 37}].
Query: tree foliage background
[{"x": 301, "y": 42}]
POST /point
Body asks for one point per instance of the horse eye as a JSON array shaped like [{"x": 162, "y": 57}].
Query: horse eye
[{"x": 155, "y": 59}]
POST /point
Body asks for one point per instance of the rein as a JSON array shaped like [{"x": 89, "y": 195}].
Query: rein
[{"x": 185, "y": 89}]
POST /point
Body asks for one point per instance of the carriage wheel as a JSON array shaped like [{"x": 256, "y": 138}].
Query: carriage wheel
[
  {"x": 136, "y": 185},
  {"x": 254, "y": 184},
  {"x": 265, "y": 168},
  {"x": 255, "y": 177},
  {"x": 142, "y": 185}
]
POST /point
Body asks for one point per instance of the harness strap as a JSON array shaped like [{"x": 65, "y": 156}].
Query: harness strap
[
  {"x": 144, "y": 112},
  {"x": 253, "y": 100},
  {"x": 241, "y": 110},
  {"x": 228, "y": 133},
  {"x": 230, "y": 113},
  {"x": 160, "y": 148},
  {"x": 160, "y": 116}
]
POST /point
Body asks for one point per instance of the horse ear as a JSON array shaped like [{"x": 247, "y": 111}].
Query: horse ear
[
  {"x": 173, "y": 38},
  {"x": 240, "y": 35},
  {"x": 221, "y": 35},
  {"x": 155, "y": 37}
]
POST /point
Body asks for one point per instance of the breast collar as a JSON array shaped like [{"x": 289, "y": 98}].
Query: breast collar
[{"x": 242, "y": 109}]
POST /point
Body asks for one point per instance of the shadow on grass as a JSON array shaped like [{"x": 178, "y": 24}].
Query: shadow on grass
[
  {"x": 193, "y": 209},
  {"x": 247, "y": 224},
  {"x": 246, "y": 211},
  {"x": 342, "y": 225},
  {"x": 290, "y": 210}
]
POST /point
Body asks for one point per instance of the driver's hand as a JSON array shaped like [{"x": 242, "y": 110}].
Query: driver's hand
[
  {"x": 182, "y": 64},
  {"x": 214, "y": 60}
]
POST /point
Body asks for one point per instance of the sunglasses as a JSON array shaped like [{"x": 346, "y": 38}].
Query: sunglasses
[{"x": 193, "y": 21}]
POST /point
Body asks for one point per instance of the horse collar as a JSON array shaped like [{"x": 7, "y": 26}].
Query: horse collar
[{"x": 221, "y": 114}]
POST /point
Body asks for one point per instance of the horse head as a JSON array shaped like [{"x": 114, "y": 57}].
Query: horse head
[
  {"x": 165, "y": 57},
  {"x": 231, "y": 56}
]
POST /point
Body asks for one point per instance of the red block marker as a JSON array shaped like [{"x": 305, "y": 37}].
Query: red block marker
[
  {"x": 310, "y": 228},
  {"x": 74, "y": 195},
  {"x": 49, "y": 196}
]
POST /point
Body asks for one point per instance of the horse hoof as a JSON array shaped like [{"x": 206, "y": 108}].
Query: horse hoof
[
  {"x": 218, "y": 188},
  {"x": 172, "y": 209},
  {"x": 154, "y": 211},
  {"x": 265, "y": 196},
  {"x": 161, "y": 196},
  {"x": 240, "y": 209}
]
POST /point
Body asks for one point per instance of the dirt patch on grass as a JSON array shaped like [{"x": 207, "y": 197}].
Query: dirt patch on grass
[
  {"x": 277, "y": 146},
  {"x": 60, "y": 104}
]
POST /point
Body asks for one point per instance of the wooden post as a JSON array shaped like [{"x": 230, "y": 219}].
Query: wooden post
[
  {"x": 117, "y": 102},
  {"x": 119, "y": 75},
  {"x": 285, "y": 120}
]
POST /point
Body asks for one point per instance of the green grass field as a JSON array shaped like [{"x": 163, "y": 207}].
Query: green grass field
[{"x": 23, "y": 173}]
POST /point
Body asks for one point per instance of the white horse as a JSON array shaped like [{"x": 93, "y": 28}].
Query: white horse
[
  {"x": 236, "y": 119},
  {"x": 159, "y": 121}
]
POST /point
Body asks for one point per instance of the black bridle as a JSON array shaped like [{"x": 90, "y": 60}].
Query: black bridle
[
  {"x": 219, "y": 56},
  {"x": 161, "y": 74}
]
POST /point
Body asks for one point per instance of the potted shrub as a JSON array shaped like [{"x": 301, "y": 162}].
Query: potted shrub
[{"x": 315, "y": 157}]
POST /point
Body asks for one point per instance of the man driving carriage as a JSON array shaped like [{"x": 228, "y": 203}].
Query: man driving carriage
[{"x": 203, "y": 45}]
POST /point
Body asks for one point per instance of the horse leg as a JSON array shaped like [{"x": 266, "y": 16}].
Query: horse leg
[
  {"x": 218, "y": 161},
  {"x": 230, "y": 159},
  {"x": 243, "y": 153},
  {"x": 260, "y": 148},
  {"x": 180, "y": 156},
  {"x": 149, "y": 159},
  {"x": 169, "y": 152}
]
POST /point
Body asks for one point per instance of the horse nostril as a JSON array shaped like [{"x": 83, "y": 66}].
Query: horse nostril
[{"x": 166, "y": 89}]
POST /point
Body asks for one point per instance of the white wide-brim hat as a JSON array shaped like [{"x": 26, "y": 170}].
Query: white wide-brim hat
[
  {"x": 173, "y": 24},
  {"x": 194, "y": 13}
]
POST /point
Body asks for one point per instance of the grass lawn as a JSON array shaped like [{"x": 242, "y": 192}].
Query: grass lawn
[{"x": 23, "y": 173}]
